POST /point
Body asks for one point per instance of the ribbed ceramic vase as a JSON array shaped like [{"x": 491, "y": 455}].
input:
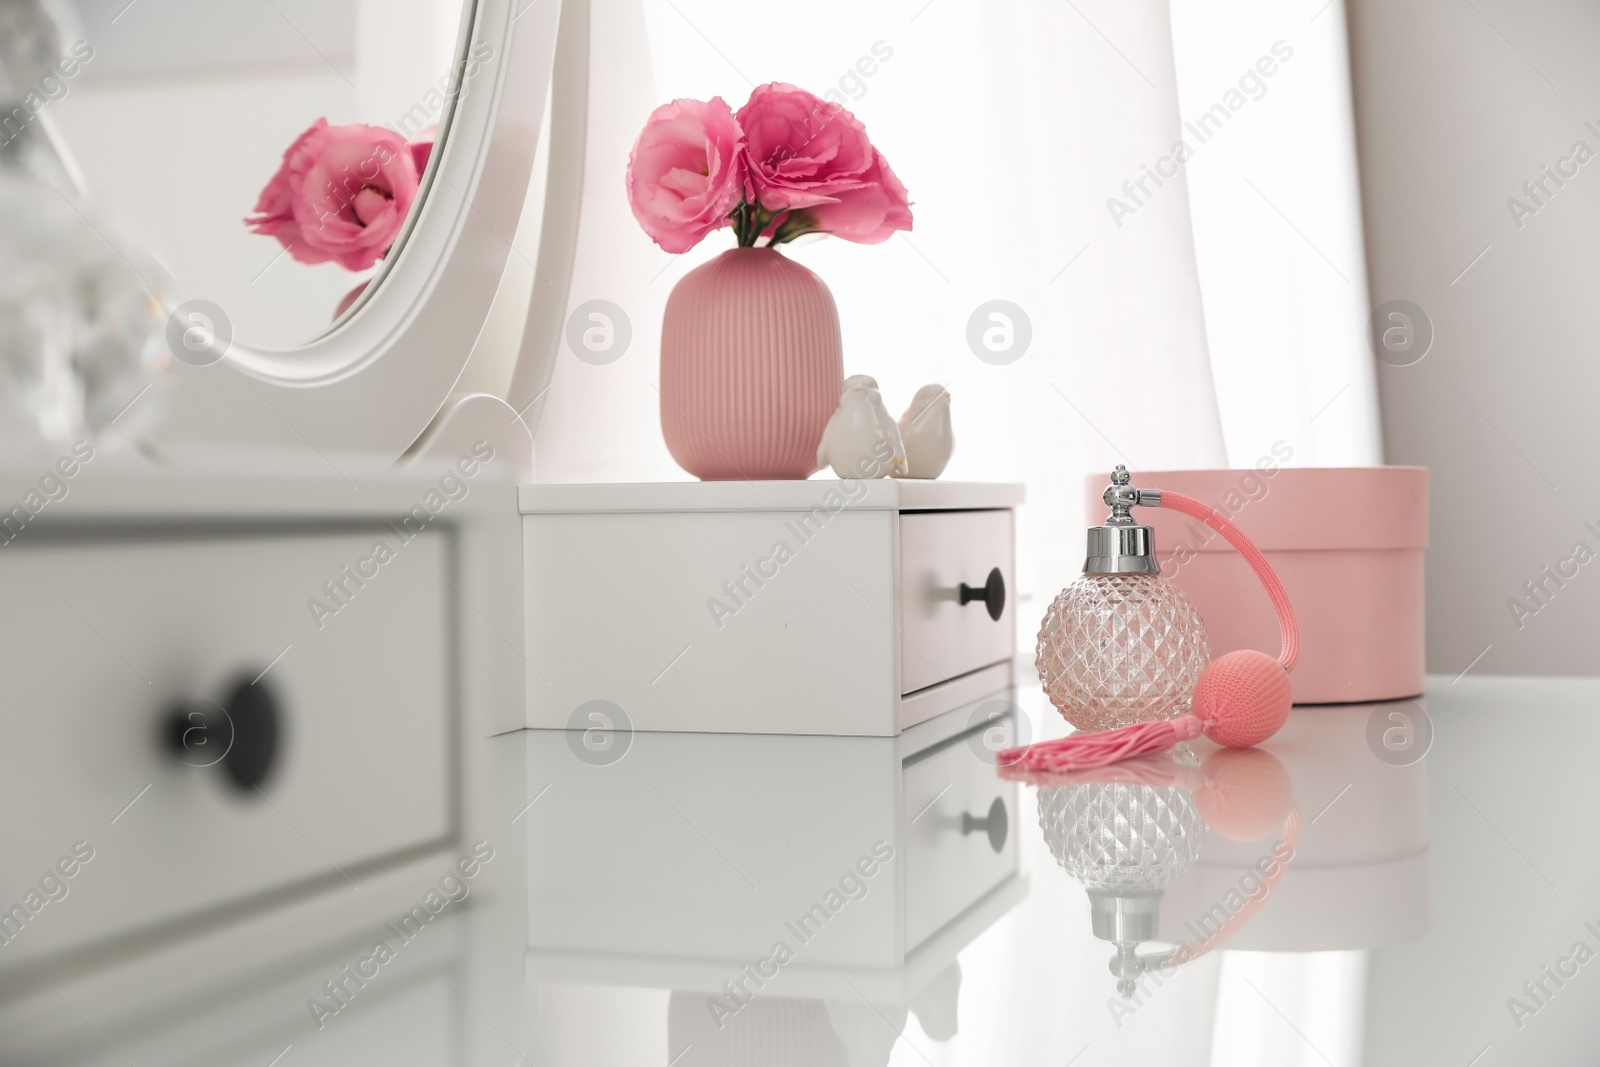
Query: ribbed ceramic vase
[{"x": 751, "y": 367}]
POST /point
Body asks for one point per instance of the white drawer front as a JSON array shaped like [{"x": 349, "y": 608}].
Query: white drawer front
[
  {"x": 100, "y": 636},
  {"x": 961, "y": 835},
  {"x": 939, "y": 551},
  {"x": 643, "y": 611}
]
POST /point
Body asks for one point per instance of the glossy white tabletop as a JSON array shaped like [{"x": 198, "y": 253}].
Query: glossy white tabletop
[{"x": 1440, "y": 904}]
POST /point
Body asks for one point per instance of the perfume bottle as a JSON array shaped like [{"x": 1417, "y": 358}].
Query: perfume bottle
[{"x": 1121, "y": 644}]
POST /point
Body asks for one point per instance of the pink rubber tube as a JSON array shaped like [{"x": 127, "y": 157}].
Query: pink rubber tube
[{"x": 1269, "y": 578}]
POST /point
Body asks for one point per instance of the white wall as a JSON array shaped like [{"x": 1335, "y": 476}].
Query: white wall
[{"x": 1456, "y": 106}]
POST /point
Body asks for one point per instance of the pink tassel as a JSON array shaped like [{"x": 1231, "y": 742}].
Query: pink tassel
[{"x": 1082, "y": 752}]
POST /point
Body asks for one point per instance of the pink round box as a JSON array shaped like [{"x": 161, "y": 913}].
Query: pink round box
[{"x": 1348, "y": 543}]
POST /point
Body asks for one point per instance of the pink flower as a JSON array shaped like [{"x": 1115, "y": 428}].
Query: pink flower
[
  {"x": 421, "y": 150},
  {"x": 869, "y": 214},
  {"x": 804, "y": 153},
  {"x": 801, "y": 149},
  {"x": 341, "y": 194},
  {"x": 685, "y": 173}
]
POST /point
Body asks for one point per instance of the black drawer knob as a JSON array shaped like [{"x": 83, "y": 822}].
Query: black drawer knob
[
  {"x": 995, "y": 824},
  {"x": 992, "y": 593},
  {"x": 240, "y": 735}
]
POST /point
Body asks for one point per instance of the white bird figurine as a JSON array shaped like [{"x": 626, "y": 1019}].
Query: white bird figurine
[
  {"x": 925, "y": 432},
  {"x": 861, "y": 440}
]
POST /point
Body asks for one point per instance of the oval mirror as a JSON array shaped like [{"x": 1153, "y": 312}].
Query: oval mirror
[
  {"x": 179, "y": 114},
  {"x": 338, "y": 181}
]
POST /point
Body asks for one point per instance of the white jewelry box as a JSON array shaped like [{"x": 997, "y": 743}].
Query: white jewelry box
[{"x": 800, "y": 607}]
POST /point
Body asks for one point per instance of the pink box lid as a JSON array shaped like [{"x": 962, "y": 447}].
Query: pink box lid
[{"x": 1292, "y": 508}]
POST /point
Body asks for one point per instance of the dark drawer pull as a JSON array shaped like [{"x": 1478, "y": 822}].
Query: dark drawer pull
[
  {"x": 241, "y": 736},
  {"x": 993, "y": 593}
]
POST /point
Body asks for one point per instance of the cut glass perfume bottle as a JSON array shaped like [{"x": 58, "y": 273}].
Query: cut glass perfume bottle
[{"x": 1121, "y": 644}]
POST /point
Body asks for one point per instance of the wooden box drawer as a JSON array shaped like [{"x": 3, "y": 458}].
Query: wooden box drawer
[
  {"x": 102, "y": 635},
  {"x": 940, "y": 551},
  {"x": 798, "y": 607}
]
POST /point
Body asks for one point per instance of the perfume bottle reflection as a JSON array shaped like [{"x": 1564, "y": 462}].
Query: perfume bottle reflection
[{"x": 1130, "y": 832}]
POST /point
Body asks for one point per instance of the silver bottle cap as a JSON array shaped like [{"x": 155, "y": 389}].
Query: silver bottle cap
[{"x": 1120, "y": 545}]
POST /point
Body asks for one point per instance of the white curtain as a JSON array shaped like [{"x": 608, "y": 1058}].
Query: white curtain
[
  {"x": 1014, "y": 125},
  {"x": 1277, "y": 224}
]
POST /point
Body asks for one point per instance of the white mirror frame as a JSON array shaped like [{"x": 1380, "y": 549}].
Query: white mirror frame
[{"x": 374, "y": 382}]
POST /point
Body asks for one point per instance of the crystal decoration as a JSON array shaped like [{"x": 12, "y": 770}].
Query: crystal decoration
[
  {"x": 80, "y": 315},
  {"x": 1116, "y": 649}
]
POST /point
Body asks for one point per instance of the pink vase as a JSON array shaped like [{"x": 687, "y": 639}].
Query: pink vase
[{"x": 751, "y": 367}]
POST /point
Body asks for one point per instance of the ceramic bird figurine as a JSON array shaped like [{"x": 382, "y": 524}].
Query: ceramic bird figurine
[
  {"x": 861, "y": 440},
  {"x": 925, "y": 432}
]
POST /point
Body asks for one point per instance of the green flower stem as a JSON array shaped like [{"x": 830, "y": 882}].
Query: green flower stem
[
  {"x": 795, "y": 225},
  {"x": 750, "y": 220}
]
